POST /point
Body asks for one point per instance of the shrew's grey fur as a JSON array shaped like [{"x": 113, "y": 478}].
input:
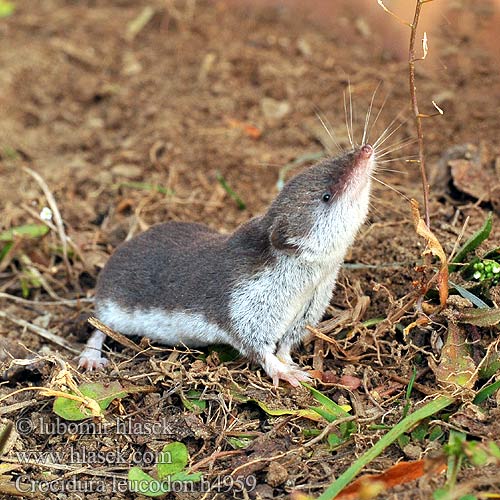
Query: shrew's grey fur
[{"x": 256, "y": 289}]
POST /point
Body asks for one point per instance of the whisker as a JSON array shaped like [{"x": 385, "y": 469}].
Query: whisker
[
  {"x": 390, "y": 187},
  {"x": 351, "y": 109},
  {"x": 391, "y": 170},
  {"x": 396, "y": 147},
  {"x": 329, "y": 132},
  {"x": 383, "y": 135},
  {"x": 408, "y": 140},
  {"x": 391, "y": 134},
  {"x": 379, "y": 111},
  {"x": 368, "y": 115},
  {"x": 347, "y": 123},
  {"x": 407, "y": 159},
  {"x": 374, "y": 209},
  {"x": 329, "y": 124}
]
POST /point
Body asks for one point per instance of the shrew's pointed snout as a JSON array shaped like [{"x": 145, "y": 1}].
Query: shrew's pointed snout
[
  {"x": 366, "y": 152},
  {"x": 364, "y": 155}
]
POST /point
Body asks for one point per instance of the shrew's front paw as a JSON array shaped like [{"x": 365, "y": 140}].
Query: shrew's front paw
[
  {"x": 278, "y": 370},
  {"x": 92, "y": 360}
]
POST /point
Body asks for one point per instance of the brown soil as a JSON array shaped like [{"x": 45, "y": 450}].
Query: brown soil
[{"x": 228, "y": 88}]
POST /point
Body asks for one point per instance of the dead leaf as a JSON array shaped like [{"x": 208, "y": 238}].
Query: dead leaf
[
  {"x": 251, "y": 130},
  {"x": 473, "y": 178},
  {"x": 434, "y": 248},
  {"x": 350, "y": 382},
  {"x": 419, "y": 322},
  {"x": 370, "y": 486}
]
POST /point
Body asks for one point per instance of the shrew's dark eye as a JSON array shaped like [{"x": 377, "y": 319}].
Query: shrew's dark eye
[{"x": 326, "y": 197}]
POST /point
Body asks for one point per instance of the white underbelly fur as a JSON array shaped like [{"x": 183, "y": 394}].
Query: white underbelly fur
[
  {"x": 169, "y": 328},
  {"x": 269, "y": 303}
]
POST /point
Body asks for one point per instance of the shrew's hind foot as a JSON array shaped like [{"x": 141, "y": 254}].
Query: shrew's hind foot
[
  {"x": 278, "y": 370},
  {"x": 91, "y": 357}
]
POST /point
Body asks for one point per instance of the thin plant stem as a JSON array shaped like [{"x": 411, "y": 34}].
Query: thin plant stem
[{"x": 414, "y": 105}]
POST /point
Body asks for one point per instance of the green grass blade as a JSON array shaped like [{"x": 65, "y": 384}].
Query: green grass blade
[
  {"x": 27, "y": 230},
  {"x": 486, "y": 392},
  {"x": 473, "y": 242},
  {"x": 470, "y": 296},
  {"x": 239, "y": 202},
  {"x": 405, "y": 425}
]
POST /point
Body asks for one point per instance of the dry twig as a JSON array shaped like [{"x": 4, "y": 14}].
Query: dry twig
[
  {"x": 42, "y": 332},
  {"x": 57, "y": 216},
  {"x": 412, "y": 59}
]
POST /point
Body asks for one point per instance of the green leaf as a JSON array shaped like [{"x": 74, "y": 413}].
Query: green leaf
[
  {"x": 173, "y": 458},
  {"x": 347, "y": 428},
  {"x": 27, "y": 230},
  {"x": 325, "y": 413},
  {"x": 411, "y": 382},
  {"x": 473, "y": 242},
  {"x": 373, "y": 321},
  {"x": 192, "y": 402},
  {"x": 470, "y": 296},
  {"x": 239, "y": 202},
  {"x": 403, "y": 440},
  {"x": 70, "y": 409},
  {"x": 441, "y": 494},
  {"x": 239, "y": 443},
  {"x": 140, "y": 482},
  {"x": 435, "y": 433},
  {"x": 5, "y": 250},
  {"x": 335, "y": 409},
  {"x": 334, "y": 441},
  {"x": 480, "y": 317},
  {"x": 278, "y": 412},
  {"x": 494, "y": 449},
  {"x": 477, "y": 455},
  {"x": 25, "y": 288},
  {"x": 420, "y": 432},
  {"x": 486, "y": 392},
  {"x": 185, "y": 477},
  {"x": 490, "y": 366},
  {"x": 6, "y": 8}
]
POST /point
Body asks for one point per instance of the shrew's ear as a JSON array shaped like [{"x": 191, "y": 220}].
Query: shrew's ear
[{"x": 280, "y": 235}]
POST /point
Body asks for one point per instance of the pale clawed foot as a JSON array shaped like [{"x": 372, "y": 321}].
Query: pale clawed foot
[
  {"x": 278, "y": 370},
  {"x": 91, "y": 357},
  {"x": 92, "y": 360}
]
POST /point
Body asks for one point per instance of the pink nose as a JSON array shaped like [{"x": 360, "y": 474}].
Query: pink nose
[{"x": 366, "y": 151}]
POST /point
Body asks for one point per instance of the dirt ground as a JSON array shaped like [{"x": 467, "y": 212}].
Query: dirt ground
[{"x": 129, "y": 125}]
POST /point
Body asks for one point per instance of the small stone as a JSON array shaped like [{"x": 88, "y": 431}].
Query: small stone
[
  {"x": 363, "y": 27},
  {"x": 413, "y": 451},
  {"x": 304, "y": 47},
  {"x": 126, "y": 170},
  {"x": 276, "y": 475},
  {"x": 131, "y": 66},
  {"x": 273, "y": 109}
]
